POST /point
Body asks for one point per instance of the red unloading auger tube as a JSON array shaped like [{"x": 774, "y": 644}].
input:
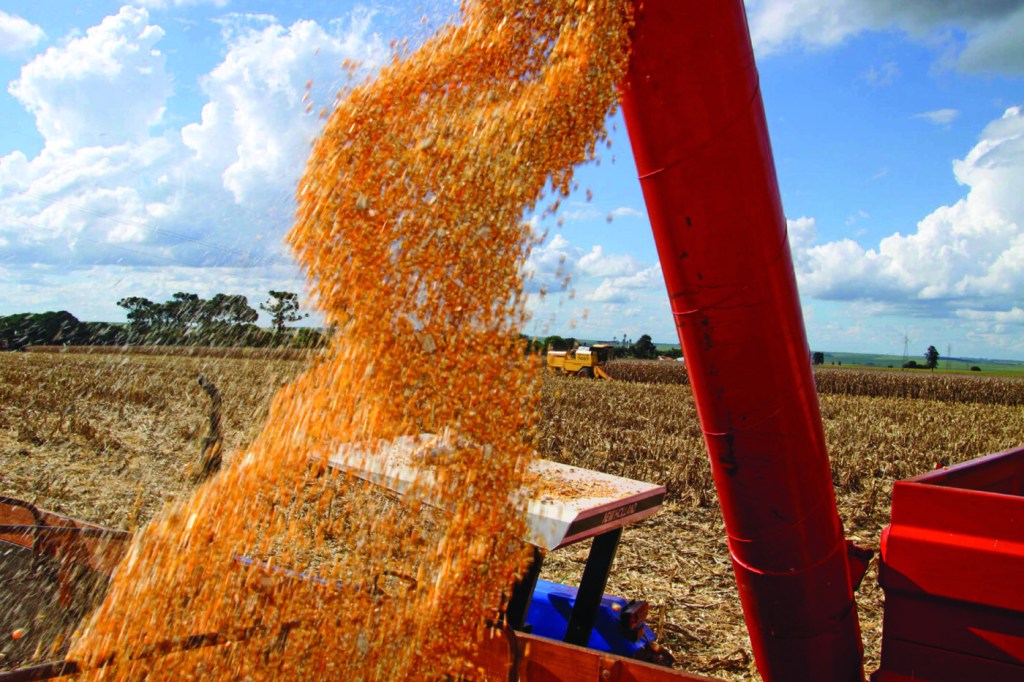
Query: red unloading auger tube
[{"x": 696, "y": 122}]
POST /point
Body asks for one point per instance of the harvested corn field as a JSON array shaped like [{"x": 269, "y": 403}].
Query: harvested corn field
[
  {"x": 960, "y": 388},
  {"x": 111, "y": 439}
]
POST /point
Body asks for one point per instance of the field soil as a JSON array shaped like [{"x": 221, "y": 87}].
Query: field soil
[{"x": 111, "y": 438}]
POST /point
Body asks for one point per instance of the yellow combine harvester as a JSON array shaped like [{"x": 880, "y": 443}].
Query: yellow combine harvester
[{"x": 585, "y": 361}]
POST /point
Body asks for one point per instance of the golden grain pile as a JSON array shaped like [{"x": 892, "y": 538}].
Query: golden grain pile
[{"x": 409, "y": 229}]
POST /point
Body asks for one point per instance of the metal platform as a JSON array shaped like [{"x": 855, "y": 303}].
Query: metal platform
[{"x": 564, "y": 504}]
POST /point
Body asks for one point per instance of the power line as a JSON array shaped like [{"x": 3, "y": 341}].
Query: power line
[
  {"x": 137, "y": 252},
  {"x": 247, "y": 259}
]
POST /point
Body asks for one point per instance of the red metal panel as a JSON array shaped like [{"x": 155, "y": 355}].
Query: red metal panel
[
  {"x": 696, "y": 123},
  {"x": 917, "y": 663},
  {"x": 72, "y": 540},
  {"x": 953, "y": 572},
  {"x": 545, "y": 660},
  {"x": 958, "y": 544},
  {"x": 1001, "y": 472},
  {"x": 952, "y": 625}
]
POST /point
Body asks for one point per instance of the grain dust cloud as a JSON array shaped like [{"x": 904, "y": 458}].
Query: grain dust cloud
[{"x": 410, "y": 230}]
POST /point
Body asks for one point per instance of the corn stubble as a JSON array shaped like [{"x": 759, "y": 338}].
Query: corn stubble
[
  {"x": 409, "y": 229},
  {"x": 879, "y": 383},
  {"x": 147, "y": 415},
  {"x": 679, "y": 560}
]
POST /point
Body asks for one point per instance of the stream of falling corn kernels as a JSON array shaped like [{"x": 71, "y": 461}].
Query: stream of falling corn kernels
[{"x": 409, "y": 228}]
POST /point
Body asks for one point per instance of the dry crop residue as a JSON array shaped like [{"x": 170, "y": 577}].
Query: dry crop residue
[
  {"x": 677, "y": 560},
  {"x": 409, "y": 228}
]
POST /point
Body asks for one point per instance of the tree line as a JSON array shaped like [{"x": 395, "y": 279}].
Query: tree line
[
  {"x": 185, "y": 319},
  {"x": 643, "y": 348},
  {"x": 931, "y": 360}
]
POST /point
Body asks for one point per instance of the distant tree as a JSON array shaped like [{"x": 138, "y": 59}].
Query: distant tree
[
  {"x": 143, "y": 316},
  {"x": 911, "y": 364},
  {"x": 555, "y": 342},
  {"x": 283, "y": 307},
  {"x": 188, "y": 318},
  {"x": 531, "y": 344},
  {"x": 931, "y": 357},
  {"x": 307, "y": 337},
  {"x": 185, "y": 308},
  {"x": 818, "y": 358},
  {"x": 103, "y": 334},
  {"x": 40, "y": 329},
  {"x": 227, "y": 318},
  {"x": 184, "y": 317},
  {"x": 644, "y": 348},
  {"x": 975, "y": 368},
  {"x": 231, "y": 309}
]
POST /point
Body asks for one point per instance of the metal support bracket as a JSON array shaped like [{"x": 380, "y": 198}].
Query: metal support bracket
[{"x": 595, "y": 578}]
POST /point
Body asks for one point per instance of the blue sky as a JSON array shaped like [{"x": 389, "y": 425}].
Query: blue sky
[{"x": 153, "y": 147}]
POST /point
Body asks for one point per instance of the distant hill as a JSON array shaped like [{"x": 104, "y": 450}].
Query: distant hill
[{"x": 952, "y": 364}]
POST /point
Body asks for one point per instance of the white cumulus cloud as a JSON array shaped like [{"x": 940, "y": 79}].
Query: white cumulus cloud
[
  {"x": 1000, "y": 48},
  {"x": 1013, "y": 316},
  {"x": 254, "y": 126},
  {"x": 599, "y": 264},
  {"x": 92, "y": 293},
  {"x": 991, "y": 28},
  {"x": 965, "y": 257},
  {"x": 70, "y": 89},
  {"x": 116, "y": 186},
  {"x": 17, "y": 34},
  {"x": 558, "y": 264},
  {"x": 551, "y": 265},
  {"x": 626, "y": 289},
  {"x": 778, "y": 24}
]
